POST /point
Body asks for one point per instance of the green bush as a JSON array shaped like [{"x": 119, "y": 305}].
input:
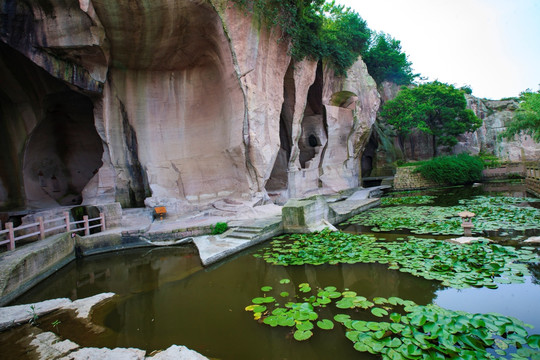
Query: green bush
[
  {"x": 452, "y": 170},
  {"x": 219, "y": 228},
  {"x": 489, "y": 160}
]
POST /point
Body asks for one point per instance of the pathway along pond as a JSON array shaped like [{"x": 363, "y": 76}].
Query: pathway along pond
[{"x": 166, "y": 298}]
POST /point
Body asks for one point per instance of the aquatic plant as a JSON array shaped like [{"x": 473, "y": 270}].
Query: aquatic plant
[
  {"x": 492, "y": 214},
  {"x": 477, "y": 264},
  {"x": 394, "y": 328},
  {"x": 407, "y": 200}
]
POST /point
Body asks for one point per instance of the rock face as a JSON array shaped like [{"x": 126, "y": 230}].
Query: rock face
[
  {"x": 385, "y": 148},
  {"x": 171, "y": 102},
  {"x": 495, "y": 114}
]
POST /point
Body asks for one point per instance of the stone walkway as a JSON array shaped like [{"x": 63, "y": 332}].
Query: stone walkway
[{"x": 248, "y": 225}]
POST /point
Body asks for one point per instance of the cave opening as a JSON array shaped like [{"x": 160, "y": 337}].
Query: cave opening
[
  {"x": 314, "y": 134},
  {"x": 63, "y": 152},
  {"x": 277, "y": 184},
  {"x": 50, "y": 146},
  {"x": 369, "y": 155}
]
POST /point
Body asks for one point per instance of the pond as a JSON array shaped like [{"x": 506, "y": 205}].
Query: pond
[{"x": 166, "y": 297}]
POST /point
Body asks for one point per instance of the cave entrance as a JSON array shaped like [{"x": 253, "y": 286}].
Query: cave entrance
[
  {"x": 63, "y": 152},
  {"x": 277, "y": 184},
  {"x": 369, "y": 155},
  {"x": 314, "y": 135},
  {"x": 50, "y": 148}
]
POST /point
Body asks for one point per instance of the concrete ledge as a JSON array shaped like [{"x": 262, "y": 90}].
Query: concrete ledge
[
  {"x": 305, "y": 215},
  {"x": 213, "y": 248},
  {"x": 23, "y": 268},
  {"x": 106, "y": 242}
]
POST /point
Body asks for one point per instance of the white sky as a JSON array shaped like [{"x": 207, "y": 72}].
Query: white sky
[{"x": 491, "y": 45}]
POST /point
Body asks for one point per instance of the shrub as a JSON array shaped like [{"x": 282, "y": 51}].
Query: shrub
[
  {"x": 452, "y": 170},
  {"x": 219, "y": 228}
]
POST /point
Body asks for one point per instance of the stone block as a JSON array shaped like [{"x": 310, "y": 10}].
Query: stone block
[
  {"x": 306, "y": 215},
  {"x": 113, "y": 214}
]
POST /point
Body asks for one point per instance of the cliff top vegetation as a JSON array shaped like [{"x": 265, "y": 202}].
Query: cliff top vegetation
[
  {"x": 320, "y": 29},
  {"x": 527, "y": 117}
]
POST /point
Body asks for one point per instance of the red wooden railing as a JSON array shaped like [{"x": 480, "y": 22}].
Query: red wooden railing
[{"x": 42, "y": 229}]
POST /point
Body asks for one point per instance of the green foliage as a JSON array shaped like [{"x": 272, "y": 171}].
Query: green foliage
[
  {"x": 452, "y": 170},
  {"x": 466, "y": 89},
  {"x": 317, "y": 30},
  {"x": 492, "y": 214},
  {"x": 489, "y": 160},
  {"x": 407, "y": 200},
  {"x": 320, "y": 29},
  {"x": 33, "y": 316},
  {"x": 386, "y": 61},
  {"x": 434, "y": 108},
  {"x": 344, "y": 36},
  {"x": 219, "y": 228},
  {"x": 527, "y": 117},
  {"x": 396, "y": 328},
  {"x": 460, "y": 266}
]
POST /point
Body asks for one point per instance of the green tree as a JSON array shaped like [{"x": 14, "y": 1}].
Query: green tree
[
  {"x": 344, "y": 36},
  {"x": 317, "y": 29},
  {"x": 527, "y": 117},
  {"x": 386, "y": 61},
  {"x": 434, "y": 108}
]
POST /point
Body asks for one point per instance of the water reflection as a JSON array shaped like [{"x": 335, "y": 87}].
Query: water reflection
[
  {"x": 206, "y": 311},
  {"x": 516, "y": 300},
  {"x": 125, "y": 272},
  {"x": 166, "y": 298}
]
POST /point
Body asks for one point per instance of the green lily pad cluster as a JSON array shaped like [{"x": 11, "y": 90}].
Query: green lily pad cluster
[
  {"x": 498, "y": 200},
  {"x": 492, "y": 214},
  {"x": 407, "y": 200},
  {"x": 477, "y": 264},
  {"x": 394, "y": 328}
]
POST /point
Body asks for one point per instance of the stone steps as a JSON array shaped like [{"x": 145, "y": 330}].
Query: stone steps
[{"x": 245, "y": 232}]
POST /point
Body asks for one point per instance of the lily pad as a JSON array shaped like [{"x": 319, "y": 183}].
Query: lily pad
[
  {"x": 325, "y": 324},
  {"x": 302, "y": 335}
]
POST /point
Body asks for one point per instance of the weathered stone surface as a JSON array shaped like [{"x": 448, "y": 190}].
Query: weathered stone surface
[
  {"x": 176, "y": 352},
  {"x": 495, "y": 115},
  {"x": 364, "y": 112},
  {"x": 214, "y": 110},
  {"x": 107, "y": 354},
  {"x": 306, "y": 215},
  {"x": 406, "y": 179},
  {"x": 464, "y": 240},
  {"x": 25, "y": 267},
  {"x": 83, "y": 307},
  {"x": 113, "y": 214},
  {"x": 50, "y": 346},
  {"x": 533, "y": 239},
  {"x": 18, "y": 314}
]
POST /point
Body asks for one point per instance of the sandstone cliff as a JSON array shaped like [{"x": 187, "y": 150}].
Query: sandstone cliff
[
  {"x": 168, "y": 102},
  {"x": 384, "y": 147}
]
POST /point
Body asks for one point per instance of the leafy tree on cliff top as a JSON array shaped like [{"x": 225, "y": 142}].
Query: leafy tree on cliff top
[
  {"x": 344, "y": 36},
  {"x": 317, "y": 29},
  {"x": 434, "y": 108},
  {"x": 386, "y": 61},
  {"x": 527, "y": 117}
]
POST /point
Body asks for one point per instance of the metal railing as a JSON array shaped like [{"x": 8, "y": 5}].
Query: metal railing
[{"x": 42, "y": 229}]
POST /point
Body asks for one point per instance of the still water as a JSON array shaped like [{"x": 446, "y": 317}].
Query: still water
[{"x": 165, "y": 297}]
